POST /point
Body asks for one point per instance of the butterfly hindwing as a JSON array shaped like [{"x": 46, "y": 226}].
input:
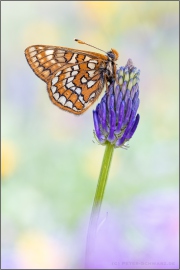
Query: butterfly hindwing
[{"x": 76, "y": 88}]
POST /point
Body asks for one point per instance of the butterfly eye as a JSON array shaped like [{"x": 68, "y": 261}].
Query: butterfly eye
[{"x": 111, "y": 55}]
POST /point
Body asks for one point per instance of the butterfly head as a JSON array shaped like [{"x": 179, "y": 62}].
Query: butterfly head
[{"x": 113, "y": 54}]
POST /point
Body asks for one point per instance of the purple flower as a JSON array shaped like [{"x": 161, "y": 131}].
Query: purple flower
[{"x": 115, "y": 118}]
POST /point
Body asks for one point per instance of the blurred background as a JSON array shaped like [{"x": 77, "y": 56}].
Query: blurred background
[{"x": 50, "y": 160}]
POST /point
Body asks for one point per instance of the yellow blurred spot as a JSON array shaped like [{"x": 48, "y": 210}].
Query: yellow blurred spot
[
  {"x": 42, "y": 33},
  {"x": 35, "y": 250},
  {"x": 8, "y": 158},
  {"x": 105, "y": 12},
  {"x": 102, "y": 9},
  {"x": 94, "y": 161}
]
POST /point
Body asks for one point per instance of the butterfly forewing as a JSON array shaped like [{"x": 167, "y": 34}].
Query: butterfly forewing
[{"x": 75, "y": 78}]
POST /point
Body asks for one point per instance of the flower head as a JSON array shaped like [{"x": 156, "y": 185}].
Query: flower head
[{"x": 115, "y": 118}]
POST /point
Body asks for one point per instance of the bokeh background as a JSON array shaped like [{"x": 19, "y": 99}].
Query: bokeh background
[{"x": 50, "y": 160}]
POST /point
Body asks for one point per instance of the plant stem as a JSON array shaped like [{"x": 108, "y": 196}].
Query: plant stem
[{"x": 93, "y": 224}]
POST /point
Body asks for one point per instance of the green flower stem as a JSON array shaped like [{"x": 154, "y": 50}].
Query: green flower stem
[{"x": 93, "y": 224}]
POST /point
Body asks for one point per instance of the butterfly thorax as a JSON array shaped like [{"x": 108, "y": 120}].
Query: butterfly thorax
[{"x": 111, "y": 66}]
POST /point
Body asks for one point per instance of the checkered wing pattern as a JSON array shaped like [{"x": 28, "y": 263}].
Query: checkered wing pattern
[{"x": 75, "y": 78}]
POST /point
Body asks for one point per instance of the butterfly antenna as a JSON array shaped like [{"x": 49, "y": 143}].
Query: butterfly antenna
[{"x": 82, "y": 42}]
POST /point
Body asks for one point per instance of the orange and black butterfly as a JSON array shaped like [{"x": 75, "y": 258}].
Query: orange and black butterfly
[{"x": 74, "y": 78}]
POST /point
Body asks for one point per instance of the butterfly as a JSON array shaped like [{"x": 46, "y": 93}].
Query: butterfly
[{"x": 74, "y": 78}]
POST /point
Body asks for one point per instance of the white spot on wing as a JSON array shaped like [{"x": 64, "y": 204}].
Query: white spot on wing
[
  {"x": 61, "y": 59},
  {"x": 91, "y": 83},
  {"x": 34, "y": 59},
  {"x": 81, "y": 99},
  {"x": 69, "y": 104},
  {"x": 56, "y": 96},
  {"x": 49, "y": 57},
  {"x": 32, "y": 49},
  {"x": 91, "y": 65},
  {"x": 54, "y": 80},
  {"x": 33, "y": 53},
  {"x": 53, "y": 89},
  {"x": 74, "y": 73},
  {"x": 60, "y": 51},
  {"x": 75, "y": 109},
  {"x": 67, "y": 74},
  {"x": 73, "y": 59},
  {"x": 40, "y": 69},
  {"x": 64, "y": 82},
  {"x": 70, "y": 79},
  {"x": 87, "y": 58},
  {"x": 91, "y": 73},
  {"x": 76, "y": 67},
  {"x": 62, "y": 100},
  {"x": 78, "y": 91},
  {"x": 92, "y": 95},
  {"x": 69, "y": 85},
  {"x": 83, "y": 80},
  {"x": 48, "y": 52},
  {"x": 58, "y": 73},
  {"x": 73, "y": 88},
  {"x": 53, "y": 61},
  {"x": 93, "y": 61},
  {"x": 59, "y": 54},
  {"x": 69, "y": 69},
  {"x": 36, "y": 64}
]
